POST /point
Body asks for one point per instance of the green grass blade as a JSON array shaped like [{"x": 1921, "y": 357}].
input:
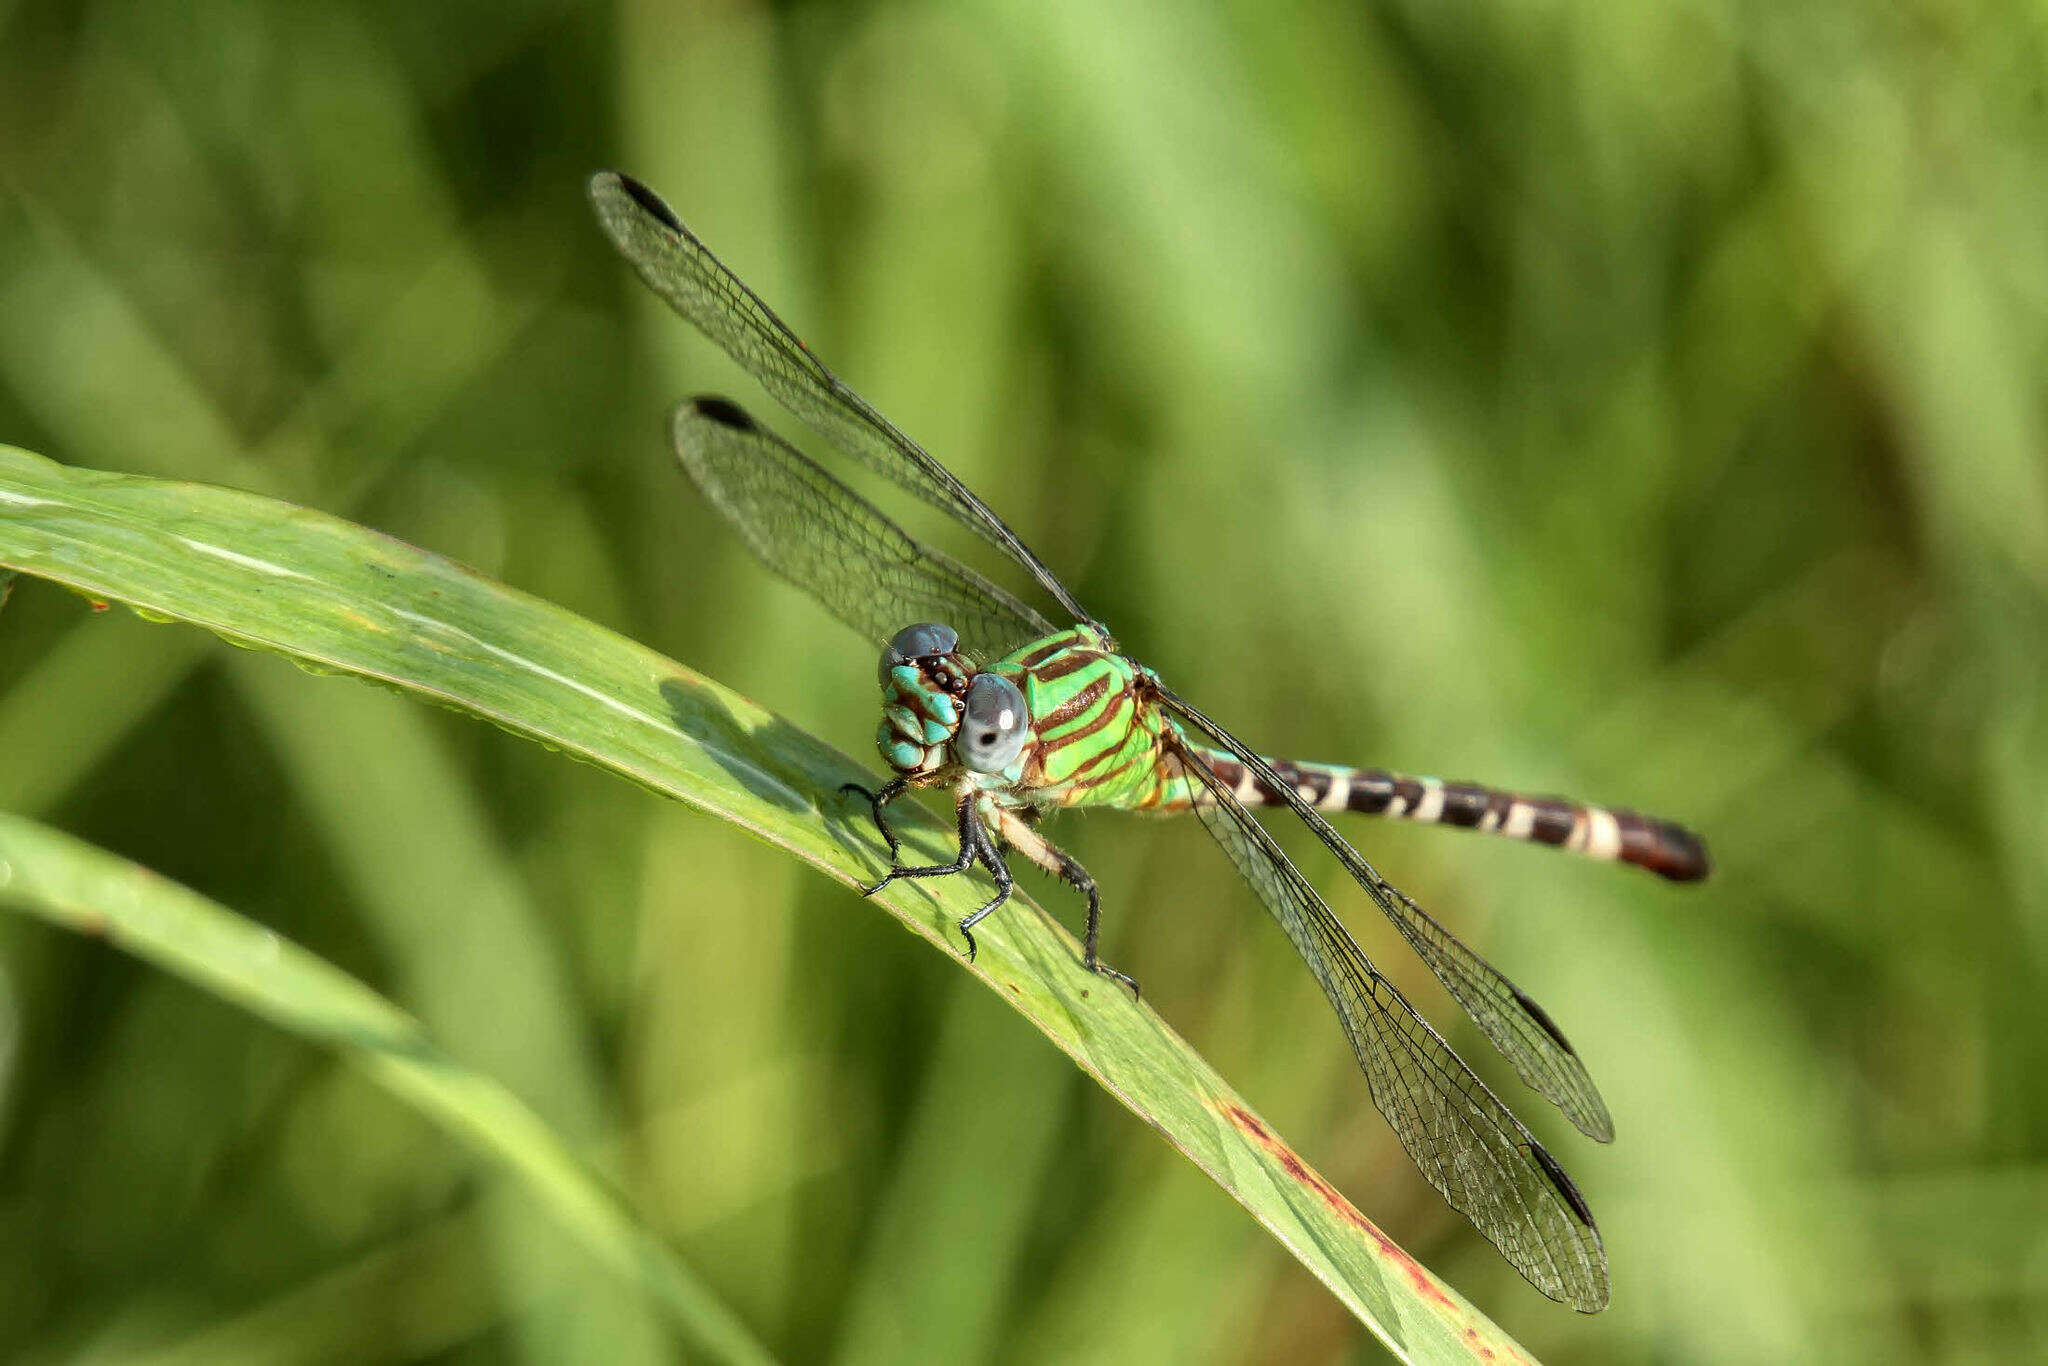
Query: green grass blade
[
  {"x": 340, "y": 598},
  {"x": 85, "y": 889}
]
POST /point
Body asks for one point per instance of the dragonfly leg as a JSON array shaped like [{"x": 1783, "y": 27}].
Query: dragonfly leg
[
  {"x": 1018, "y": 831},
  {"x": 970, "y": 850},
  {"x": 876, "y": 801},
  {"x": 992, "y": 858},
  {"x": 1077, "y": 877},
  {"x": 975, "y": 846}
]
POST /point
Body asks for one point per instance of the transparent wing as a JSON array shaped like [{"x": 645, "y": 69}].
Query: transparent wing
[
  {"x": 1522, "y": 1030},
  {"x": 832, "y": 543},
  {"x": 1466, "y": 1142},
  {"x": 682, "y": 270}
]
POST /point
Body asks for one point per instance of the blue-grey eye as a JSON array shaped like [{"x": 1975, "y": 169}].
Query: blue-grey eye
[
  {"x": 993, "y": 726},
  {"x": 925, "y": 638}
]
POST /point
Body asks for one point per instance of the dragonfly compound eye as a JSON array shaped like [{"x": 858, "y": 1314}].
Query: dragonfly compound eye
[
  {"x": 995, "y": 725},
  {"x": 912, "y": 642}
]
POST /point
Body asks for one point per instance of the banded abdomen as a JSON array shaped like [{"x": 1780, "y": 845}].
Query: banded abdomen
[{"x": 1596, "y": 831}]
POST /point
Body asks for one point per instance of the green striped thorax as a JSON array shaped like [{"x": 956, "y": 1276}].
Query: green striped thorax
[{"x": 1058, "y": 721}]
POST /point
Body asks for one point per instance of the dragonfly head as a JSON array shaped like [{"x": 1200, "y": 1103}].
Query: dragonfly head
[
  {"x": 938, "y": 709},
  {"x": 926, "y": 642}
]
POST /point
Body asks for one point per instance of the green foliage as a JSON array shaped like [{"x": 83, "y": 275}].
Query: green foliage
[
  {"x": 336, "y": 598},
  {"x": 1641, "y": 402},
  {"x": 87, "y": 891}
]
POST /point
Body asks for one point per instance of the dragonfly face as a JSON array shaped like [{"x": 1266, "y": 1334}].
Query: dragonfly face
[
  {"x": 941, "y": 714},
  {"x": 925, "y": 682},
  {"x": 1018, "y": 717}
]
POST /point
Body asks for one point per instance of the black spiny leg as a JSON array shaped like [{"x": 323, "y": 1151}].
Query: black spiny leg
[
  {"x": 975, "y": 846},
  {"x": 992, "y": 859},
  {"x": 876, "y": 801},
  {"x": 1075, "y": 876},
  {"x": 970, "y": 850}
]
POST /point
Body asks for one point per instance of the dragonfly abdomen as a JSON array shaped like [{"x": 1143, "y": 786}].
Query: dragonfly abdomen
[{"x": 1608, "y": 833}]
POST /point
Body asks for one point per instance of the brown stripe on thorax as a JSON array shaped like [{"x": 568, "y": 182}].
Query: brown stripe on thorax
[
  {"x": 1045, "y": 650},
  {"x": 1083, "y": 778},
  {"x": 1074, "y": 706},
  {"x": 1112, "y": 711},
  {"x": 1130, "y": 754},
  {"x": 1071, "y": 659}
]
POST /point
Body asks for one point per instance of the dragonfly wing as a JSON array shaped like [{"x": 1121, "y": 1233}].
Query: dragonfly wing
[
  {"x": 1522, "y": 1030},
  {"x": 682, "y": 270},
  {"x": 1479, "y": 1157},
  {"x": 822, "y": 536}
]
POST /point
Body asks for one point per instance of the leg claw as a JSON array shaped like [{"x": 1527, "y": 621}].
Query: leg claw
[{"x": 1105, "y": 970}]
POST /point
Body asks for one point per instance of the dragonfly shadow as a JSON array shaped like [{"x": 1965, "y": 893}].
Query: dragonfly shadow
[
  {"x": 765, "y": 760},
  {"x": 788, "y": 767}
]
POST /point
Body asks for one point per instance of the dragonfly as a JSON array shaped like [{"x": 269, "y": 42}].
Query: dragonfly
[{"x": 1016, "y": 716}]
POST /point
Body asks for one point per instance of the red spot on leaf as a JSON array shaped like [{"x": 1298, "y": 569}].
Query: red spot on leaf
[
  {"x": 1476, "y": 1347},
  {"x": 97, "y": 604},
  {"x": 1290, "y": 1161},
  {"x": 1250, "y": 1123},
  {"x": 1425, "y": 1285}
]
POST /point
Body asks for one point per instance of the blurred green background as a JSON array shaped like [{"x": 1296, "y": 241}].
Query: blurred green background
[{"x": 1636, "y": 401}]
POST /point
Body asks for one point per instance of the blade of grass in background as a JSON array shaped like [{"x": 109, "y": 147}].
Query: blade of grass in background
[
  {"x": 89, "y": 891},
  {"x": 340, "y": 598},
  {"x": 412, "y": 355}
]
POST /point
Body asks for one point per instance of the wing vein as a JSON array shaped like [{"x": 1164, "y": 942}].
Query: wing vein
[
  {"x": 1466, "y": 1142},
  {"x": 813, "y": 530},
  {"x": 677, "y": 266}
]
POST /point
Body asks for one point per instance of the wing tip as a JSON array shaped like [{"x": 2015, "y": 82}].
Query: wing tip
[
  {"x": 1591, "y": 1296},
  {"x": 718, "y": 409},
  {"x": 1587, "y": 1113},
  {"x": 605, "y": 181}
]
